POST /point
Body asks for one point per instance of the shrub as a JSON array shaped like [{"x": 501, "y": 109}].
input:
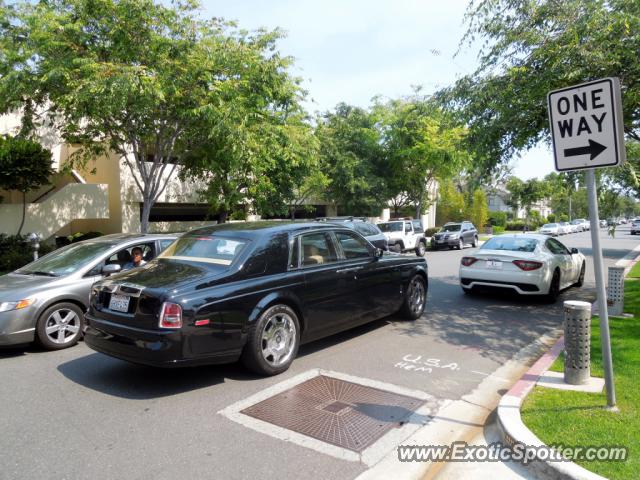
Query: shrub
[
  {"x": 429, "y": 232},
  {"x": 551, "y": 218},
  {"x": 498, "y": 219},
  {"x": 16, "y": 252},
  {"x": 520, "y": 225},
  {"x": 498, "y": 230}
]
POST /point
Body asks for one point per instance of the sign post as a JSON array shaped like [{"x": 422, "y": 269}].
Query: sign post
[{"x": 587, "y": 131}]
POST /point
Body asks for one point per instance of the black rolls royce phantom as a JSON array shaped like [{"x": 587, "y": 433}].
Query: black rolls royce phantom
[{"x": 250, "y": 291}]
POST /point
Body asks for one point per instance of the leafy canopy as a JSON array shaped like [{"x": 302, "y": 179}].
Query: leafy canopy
[
  {"x": 532, "y": 47},
  {"x": 151, "y": 82}
]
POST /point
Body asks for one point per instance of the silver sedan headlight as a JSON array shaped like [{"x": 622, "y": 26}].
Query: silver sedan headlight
[{"x": 18, "y": 305}]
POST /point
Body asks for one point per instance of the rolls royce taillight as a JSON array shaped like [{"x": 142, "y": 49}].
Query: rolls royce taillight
[
  {"x": 527, "y": 265},
  {"x": 468, "y": 261},
  {"x": 170, "y": 315}
]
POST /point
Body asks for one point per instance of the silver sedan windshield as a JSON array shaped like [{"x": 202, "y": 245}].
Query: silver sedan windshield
[{"x": 66, "y": 260}]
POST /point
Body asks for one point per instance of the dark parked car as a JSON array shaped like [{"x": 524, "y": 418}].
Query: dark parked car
[
  {"x": 250, "y": 291},
  {"x": 456, "y": 235},
  {"x": 360, "y": 224},
  {"x": 46, "y": 299}
]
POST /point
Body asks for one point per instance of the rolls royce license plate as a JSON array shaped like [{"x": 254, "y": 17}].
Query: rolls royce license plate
[{"x": 119, "y": 303}]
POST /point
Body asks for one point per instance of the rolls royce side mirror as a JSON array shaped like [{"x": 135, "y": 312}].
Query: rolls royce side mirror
[
  {"x": 574, "y": 251},
  {"x": 379, "y": 252}
]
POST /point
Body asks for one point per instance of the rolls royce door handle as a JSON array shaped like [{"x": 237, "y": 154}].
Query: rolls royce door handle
[{"x": 352, "y": 270}]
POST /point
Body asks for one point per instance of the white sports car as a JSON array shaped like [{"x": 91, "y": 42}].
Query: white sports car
[{"x": 527, "y": 264}]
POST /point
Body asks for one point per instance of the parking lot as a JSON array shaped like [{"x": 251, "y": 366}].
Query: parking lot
[{"x": 75, "y": 413}]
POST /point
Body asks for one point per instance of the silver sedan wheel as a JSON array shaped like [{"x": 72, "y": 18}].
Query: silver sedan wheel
[
  {"x": 416, "y": 296},
  {"x": 62, "y": 326},
  {"x": 278, "y": 339}
]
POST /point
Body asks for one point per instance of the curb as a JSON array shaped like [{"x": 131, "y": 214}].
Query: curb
[
  {"x": 514, "y": 431},
  {"x": 512, "y": 428}
]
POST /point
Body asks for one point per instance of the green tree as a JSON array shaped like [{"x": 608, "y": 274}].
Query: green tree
[
  {"x": 532, "y": 47},
  {"x": 422, "y": 144},
  {"x": 479, "y": 209},
  {"x": 451, "y": 203},
  {"x": 24, "y": 166},
  {"x": 351, "y": 151},
  {"x": 150, "y": 82},
  {"x": 525, "y": 194}
]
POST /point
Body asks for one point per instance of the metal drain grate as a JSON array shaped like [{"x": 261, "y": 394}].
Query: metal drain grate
[{"x": 338, "y": 412}]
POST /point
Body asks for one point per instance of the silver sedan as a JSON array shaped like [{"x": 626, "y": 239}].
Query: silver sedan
[{"x": 45, "y": 300}]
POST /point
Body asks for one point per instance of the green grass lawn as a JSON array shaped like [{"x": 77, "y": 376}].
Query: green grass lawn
[
  {"x": 579, "y": 419},
  {"x": 635, "y": 271}
]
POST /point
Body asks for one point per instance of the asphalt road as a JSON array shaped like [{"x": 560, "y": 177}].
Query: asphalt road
[{"x": 77, "y": 414}]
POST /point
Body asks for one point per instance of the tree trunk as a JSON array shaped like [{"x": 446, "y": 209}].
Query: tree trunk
[
  {"x": 144, "y": 220},
  {"x": 418, "y": 210},
  {"x": 292, "y": 213},
  {"x": 222, "y": 218},
  {"x": 24, "y": 211}
]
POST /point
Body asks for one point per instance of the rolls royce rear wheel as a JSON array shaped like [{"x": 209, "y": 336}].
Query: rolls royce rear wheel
[
  {"x": 415, "y": 298},
  {"x": 273, "y": 341}
]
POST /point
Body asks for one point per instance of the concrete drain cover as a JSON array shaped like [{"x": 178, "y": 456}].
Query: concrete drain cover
[{"x": 338, "y": 412}]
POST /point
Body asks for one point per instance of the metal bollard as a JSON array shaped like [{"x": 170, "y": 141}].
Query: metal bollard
[
  {"x": 615, "y": 291},
  {"x": 577, "y": 342}
]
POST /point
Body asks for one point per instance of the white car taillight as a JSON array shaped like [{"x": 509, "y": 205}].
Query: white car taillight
[
  {"x": 527, "y": 265},
  {"x": 467, "y": 261},
  {"x": 170, "y": 315}
]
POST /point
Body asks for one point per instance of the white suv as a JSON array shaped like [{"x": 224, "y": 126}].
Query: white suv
[{"x": 402, "y": 236}]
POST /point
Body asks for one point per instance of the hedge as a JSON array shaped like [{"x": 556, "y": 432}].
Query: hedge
[{"x": 16, "y": 252}]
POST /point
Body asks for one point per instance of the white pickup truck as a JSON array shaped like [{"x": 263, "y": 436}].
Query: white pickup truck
[{"x": 402, "y": 236}]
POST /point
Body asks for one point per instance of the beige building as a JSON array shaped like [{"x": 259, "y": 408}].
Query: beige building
[{"x": 103, "y": 197}]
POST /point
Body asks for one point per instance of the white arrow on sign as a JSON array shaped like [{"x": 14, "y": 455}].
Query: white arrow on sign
[{"x": 586, "y": 125}]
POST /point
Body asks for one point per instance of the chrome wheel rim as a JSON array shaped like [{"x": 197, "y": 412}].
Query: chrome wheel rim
[
  {"x": 416, "y": 296},
  {"x": 62, "y": 326},
  {"x": 278, "y": 339}
]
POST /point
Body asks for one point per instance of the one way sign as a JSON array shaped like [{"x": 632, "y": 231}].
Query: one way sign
[{"x": 586, "y": 125}]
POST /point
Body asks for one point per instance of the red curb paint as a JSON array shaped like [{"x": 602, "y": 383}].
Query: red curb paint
[{"x": 529, "y": 379}]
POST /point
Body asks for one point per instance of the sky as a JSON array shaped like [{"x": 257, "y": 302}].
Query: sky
[{"x": 353, "y": 50}]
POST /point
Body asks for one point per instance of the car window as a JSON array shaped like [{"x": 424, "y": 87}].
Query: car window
[
  {"x": 206, "y": 249},
  {"x": 556, "y": 247},
  {"x": 417, "y": 226},
  {"x": 550, "y": 225},
  {"x": 390, "y": 227},
  {"x": 317, "y": 249},
  {"x": 165, "y": 243},
  {"x": 294, "y": 255},
  {"x": 66, "y": 260},
  {"x": 373, "y": 230},
  {"x": 352, "y": 245},
  {"x": 451, "y": 228},
  {"x": 362, "y": 229},
  {"x": 514, "y": 244},
  {"x": 123, "y": 256}
]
